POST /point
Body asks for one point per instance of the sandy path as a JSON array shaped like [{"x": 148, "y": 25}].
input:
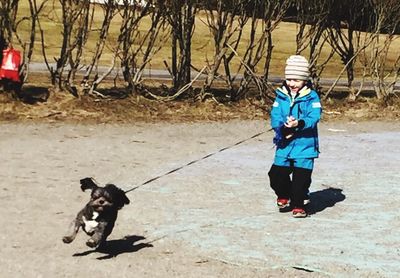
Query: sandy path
[{"x": 215, "y": 218}]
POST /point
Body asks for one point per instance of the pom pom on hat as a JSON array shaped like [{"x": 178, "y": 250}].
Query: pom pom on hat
[{"x": 297, "y": 68}]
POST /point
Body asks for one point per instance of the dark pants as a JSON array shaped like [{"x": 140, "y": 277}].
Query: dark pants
[{"x": 293, "y": 187}]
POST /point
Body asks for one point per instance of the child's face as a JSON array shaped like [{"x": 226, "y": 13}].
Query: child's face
[{"x": 295, "y": 85}]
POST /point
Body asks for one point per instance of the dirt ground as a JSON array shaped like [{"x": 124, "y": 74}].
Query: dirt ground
[{"x": 213, "y": 218}]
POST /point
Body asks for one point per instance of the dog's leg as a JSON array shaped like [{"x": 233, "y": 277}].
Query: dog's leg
[
  {"x": 98, "y": 237},
  {"x": 74, "y": 228}
]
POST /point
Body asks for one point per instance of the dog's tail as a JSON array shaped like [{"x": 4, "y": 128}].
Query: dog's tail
[{"x": 88, "y": 183}]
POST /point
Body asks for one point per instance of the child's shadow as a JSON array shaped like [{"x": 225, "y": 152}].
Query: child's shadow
[
  {"x": 113, "y": 248},
  {"x": 325, "y": 198}
]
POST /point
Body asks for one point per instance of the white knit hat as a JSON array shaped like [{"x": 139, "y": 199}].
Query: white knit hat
[{"x": 297, "y": 68}]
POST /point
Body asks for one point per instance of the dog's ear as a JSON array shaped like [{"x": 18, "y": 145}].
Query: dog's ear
[
  {"x": 124, "y": 199},
  {"x": 88, "y": 183},
  {"x": 119, "y": 195}
]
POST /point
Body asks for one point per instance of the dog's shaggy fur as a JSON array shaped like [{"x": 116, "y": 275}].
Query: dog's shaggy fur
[{"x": 98, "y": 217}]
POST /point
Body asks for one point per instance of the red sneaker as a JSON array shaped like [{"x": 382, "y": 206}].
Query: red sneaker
[
  {"x": 299, "y": 213},
  {"x": 282, "y": 203}
]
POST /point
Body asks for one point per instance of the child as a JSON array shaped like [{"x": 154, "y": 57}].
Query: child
[{"x": 294, "y": 117}]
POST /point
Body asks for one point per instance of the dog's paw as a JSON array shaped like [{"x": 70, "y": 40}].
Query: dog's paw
[
  {"x": 67, "y": 239},
  {"x": 91, "y": 243}
]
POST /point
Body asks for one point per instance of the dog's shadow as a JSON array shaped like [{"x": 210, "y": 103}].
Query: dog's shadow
[
  {"x": 325, "y": 198},
  {"x": 113, "y": 248}
]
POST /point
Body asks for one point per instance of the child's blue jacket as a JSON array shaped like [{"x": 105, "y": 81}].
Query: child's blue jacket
[{"x": 307, "y": 107}]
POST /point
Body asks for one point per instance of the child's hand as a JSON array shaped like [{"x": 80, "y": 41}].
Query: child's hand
[{"x": 291, "y": 122}]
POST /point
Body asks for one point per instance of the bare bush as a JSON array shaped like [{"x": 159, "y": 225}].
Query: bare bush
[
  {"x": 380, "y": 67},
  {"x": 347, "y": 19},
  {"x": 137, "y": 47},
  {"x": 265, "y": 17},
  {"x": 93, "y": 77},
  {"x": 75, "y": 19},
  {"x": 10, "y": 25},
  {"x": 225, "y": 20},
  {"x": 312, "y": 22},
  {"x": 241, "y": 29},
  {"x": 181, "y": 16}
]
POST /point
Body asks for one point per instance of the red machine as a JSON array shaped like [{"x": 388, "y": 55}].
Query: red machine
[{"x": 10, "y": 65}]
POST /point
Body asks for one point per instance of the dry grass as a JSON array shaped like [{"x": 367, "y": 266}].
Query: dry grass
[{"x": 133, "y": 109}]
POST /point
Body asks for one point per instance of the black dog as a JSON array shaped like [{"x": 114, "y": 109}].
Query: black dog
[{"x": 98, "y": 217}]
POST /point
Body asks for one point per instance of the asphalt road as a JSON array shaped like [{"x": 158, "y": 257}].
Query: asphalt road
[{"x": 164, "y": 75}]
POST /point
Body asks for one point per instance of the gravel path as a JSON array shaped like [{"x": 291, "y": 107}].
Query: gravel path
[{"x": 213, "y": 218}]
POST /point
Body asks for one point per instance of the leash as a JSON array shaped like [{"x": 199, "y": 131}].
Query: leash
[{"x": 197, "y": 160}]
